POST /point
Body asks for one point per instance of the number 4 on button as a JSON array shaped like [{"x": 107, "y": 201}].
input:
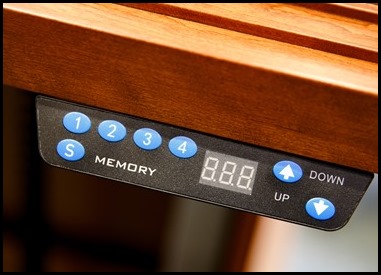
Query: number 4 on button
[{"x": 182, "y": 147}]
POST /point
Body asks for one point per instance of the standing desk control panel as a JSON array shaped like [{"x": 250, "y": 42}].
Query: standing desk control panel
[{"x": 198, "y": 166}]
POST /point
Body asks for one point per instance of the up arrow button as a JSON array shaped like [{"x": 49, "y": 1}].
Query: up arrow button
[{"x": 287, "y": 171}]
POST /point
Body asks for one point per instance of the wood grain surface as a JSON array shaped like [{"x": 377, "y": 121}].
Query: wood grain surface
[
  {"x": 307, "y": 25},
  {"x": 212, "y": 79}
]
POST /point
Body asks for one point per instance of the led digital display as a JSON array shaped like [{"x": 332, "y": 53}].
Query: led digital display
[{"x": 228, "y": 172}]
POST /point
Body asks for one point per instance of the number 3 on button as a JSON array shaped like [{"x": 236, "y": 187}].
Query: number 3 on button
[{"x": 182, "y": 147}]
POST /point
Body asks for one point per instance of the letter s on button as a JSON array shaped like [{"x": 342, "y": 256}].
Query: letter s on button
[{"x": 70, "y": 150}]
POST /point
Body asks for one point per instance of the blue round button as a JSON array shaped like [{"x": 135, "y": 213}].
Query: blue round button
[
  {"x": 76, "y": 122},
  {"x": 287, "y": 171},
  {"x": 182, "y": 147},
  {"x": 112, "y": 130},
  {"x": 70, "y": 149},
  {"x": 320, "y": 209},
  {"x": 147, "y": 139}
]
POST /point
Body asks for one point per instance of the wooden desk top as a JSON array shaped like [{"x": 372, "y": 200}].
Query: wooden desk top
[{"x": 296, "y": 78}]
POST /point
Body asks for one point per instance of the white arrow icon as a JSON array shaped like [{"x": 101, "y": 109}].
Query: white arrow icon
[
  {"x": 320, "y": 207},
  {"x": 287, "y": 172}
]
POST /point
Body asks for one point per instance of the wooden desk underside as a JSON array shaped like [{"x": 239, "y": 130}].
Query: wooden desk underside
[{"x": 226, "y": 71}]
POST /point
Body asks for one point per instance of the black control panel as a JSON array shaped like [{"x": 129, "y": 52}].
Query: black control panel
[{"x": 198, "y": 166}]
